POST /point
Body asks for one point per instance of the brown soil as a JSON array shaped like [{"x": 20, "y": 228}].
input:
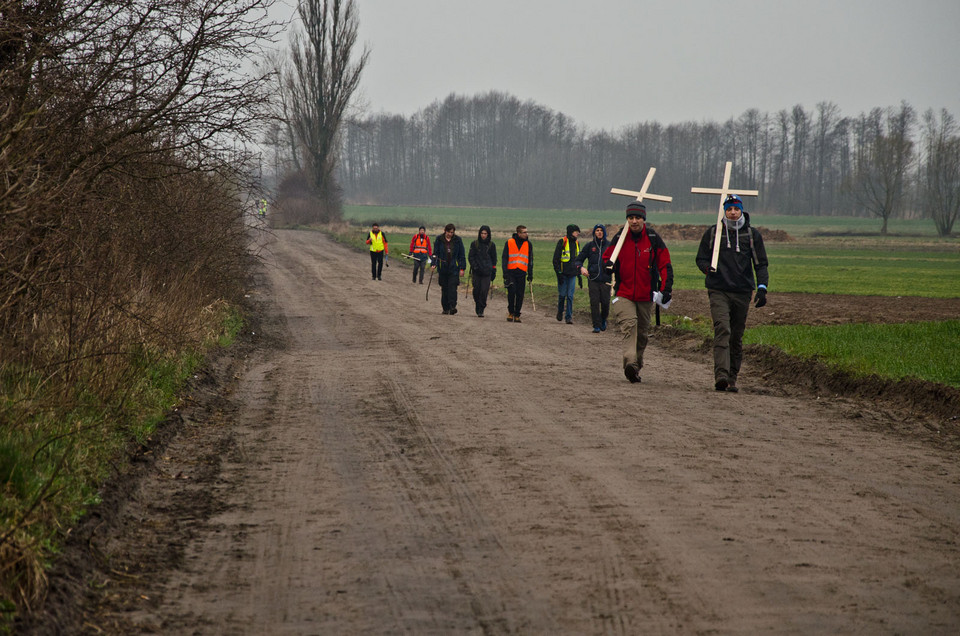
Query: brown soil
[{"x": 362, "y": 464}]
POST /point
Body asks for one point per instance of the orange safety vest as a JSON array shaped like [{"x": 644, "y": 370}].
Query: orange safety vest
[
  {"x": 420, "y": 244},
  {"x": 518, "y": 257}
]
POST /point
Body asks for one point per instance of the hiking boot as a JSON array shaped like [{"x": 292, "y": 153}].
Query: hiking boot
[
  {"x": 517, "y": 319},
  {"x": 721, "y": 384},
  {"x": 510, "y": 318},
  {"x": 453, "y": 311},
  {"x": 569, "y": 321},
  {"x": 559, "y": 315},
  {"x": 732, "y": 387},
  {"x": 446, "y": 312},
  {"x": 632, "y": 371},
  {"x": 596, "y": 330},
  {"x": 603, "y": 326}
]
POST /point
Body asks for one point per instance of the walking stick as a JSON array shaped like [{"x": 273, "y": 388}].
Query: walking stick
[
  {"x": 531, "y": 296},
  {"x": 430, "y": 282}
]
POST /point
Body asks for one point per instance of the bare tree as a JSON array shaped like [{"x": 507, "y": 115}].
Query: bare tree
[
  {"x": 319, "y": 88},
  {"x": 940, "y": 175},
  {"x": 880, "y": 178}
]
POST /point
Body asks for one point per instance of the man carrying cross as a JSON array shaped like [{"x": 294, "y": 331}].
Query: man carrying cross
[
  {"x": 730, "y": 285},
  {"x": 643, "y": 267}
]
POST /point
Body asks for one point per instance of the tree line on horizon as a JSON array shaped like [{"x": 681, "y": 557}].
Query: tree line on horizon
[{"x": 495, "y": 150}]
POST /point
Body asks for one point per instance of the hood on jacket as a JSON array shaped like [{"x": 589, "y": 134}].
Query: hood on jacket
[
  {"x": 602, "y": 227},
  {"x": 489, "y": 234},
  {"x": 571, "y": 229},
  {"x": 520, "y": 240}
]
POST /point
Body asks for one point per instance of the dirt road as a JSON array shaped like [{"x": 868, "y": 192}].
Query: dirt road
[{"x": 390, "y": 469}]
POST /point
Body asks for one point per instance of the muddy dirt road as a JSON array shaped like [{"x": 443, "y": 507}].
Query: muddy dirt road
[{"x": 394, "y": 470}]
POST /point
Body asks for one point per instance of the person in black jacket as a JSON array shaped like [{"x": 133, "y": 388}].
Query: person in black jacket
[
  {"x": 565, "y": 265},
  {"x": 590, "y": 263},
  {"x": 451, "y": 262},
  {"x": 731, "y": 286},
  {"x": 483, "y": 267}
]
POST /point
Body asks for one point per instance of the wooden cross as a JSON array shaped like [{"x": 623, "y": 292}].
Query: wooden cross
[
  {"x": 723, "y": 192},
  {"x": 640, "y": 196}
]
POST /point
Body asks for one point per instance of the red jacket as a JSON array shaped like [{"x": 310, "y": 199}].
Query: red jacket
[{"x": 642, "y": 267}]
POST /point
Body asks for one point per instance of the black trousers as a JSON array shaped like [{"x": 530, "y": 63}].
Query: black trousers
[
  {"x": 376, "y": 264},
  {"x": 481, "y": 288},
  {"x": 599, "y": 301},
  {"x": 419, "y": 266},
  {"x": 448, "y": 279},
  {"x": 516, "y": 287},
  {"x": 729, "y": 313}
]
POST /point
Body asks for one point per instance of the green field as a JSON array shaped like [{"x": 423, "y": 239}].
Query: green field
[
  {"x": 505, "y": 219},
  {"x": 910, "y": 261}
]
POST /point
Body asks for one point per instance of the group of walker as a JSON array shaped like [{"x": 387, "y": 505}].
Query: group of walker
[{"x": 637, "y": 265}]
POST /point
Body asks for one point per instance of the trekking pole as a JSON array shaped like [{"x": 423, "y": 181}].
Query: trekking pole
[{"x": 534, "y": 300}]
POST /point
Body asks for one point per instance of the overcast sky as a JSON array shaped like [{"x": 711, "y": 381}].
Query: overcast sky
[{"x": 610, "y": 63}]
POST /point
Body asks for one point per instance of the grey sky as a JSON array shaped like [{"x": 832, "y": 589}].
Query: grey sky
[{"x": 610, "y": 63}]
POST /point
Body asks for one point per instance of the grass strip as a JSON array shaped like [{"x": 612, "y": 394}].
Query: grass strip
[{"x": 925, "y": 350}]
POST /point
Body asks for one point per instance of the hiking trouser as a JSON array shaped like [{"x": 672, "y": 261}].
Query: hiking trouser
[
  {"x": 481, "y": 288},
  {"x": 729, "y": 313},
  {"x": 599, "y": 302},
  {"x": 376, "y": 264},
  {"x": 419, "y": 265},
  {"x": 449, "y": 279},
  {"x": 516, "y": 287},
  {"x": 633, "y": 321}
]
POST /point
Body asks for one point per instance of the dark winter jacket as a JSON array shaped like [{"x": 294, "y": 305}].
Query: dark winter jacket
[
  {"x": 452, "y": 259},
  {"x": 483, "y": 255},
  {"x": 505, "y": 257},
  {"x": 591, "y": 256},
  {"x": 570, "y": 268},
  {"x": 739, "y": 258},
  {"x": 643, "y": 265}
]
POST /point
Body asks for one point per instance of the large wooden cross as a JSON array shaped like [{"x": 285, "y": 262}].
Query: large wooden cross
[
  {"x": 723, "y": 192},
  {"x": 639, "y": 196}
]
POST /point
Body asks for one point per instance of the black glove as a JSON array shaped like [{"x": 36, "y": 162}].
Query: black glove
[
  {"x": 580, "y": 281},
  {"x": 666, "y": 297},
  {"x": 761, "y": 297},
  {"x": 608, "y": 268},
  {"x": 530, "y": 277}
]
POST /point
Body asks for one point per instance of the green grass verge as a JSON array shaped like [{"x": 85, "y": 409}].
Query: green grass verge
[
  {"x": 926, "y": 350},
  {"x": 58, "y": 445}
]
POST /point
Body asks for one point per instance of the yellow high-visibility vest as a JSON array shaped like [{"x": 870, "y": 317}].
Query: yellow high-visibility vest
[{"x": 377, "y": 242}]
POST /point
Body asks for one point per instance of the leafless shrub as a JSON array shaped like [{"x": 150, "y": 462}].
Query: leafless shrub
[{"x": 121, "y": 218}]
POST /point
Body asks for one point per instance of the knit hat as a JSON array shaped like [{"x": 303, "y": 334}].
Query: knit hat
[
  {"x": 637, "y": 209},
  {"x": 733, "y": 201}
]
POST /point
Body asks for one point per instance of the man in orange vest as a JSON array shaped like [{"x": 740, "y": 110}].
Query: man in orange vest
[
  {"x": 377, "y": 241},
  {"x": 517, "y": 262},
  {"x": 420, "y": 252}
]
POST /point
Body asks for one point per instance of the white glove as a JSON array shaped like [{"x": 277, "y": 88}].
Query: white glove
[{"x": 658, "y": 298}]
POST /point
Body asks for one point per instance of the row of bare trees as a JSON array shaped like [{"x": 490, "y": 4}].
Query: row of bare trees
[
  {"x": 495, "y": 150},
  {"x": 121, "y": 224}
]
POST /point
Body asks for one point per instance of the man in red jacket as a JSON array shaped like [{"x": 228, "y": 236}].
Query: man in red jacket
[{"x": 642, "y": 268}]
